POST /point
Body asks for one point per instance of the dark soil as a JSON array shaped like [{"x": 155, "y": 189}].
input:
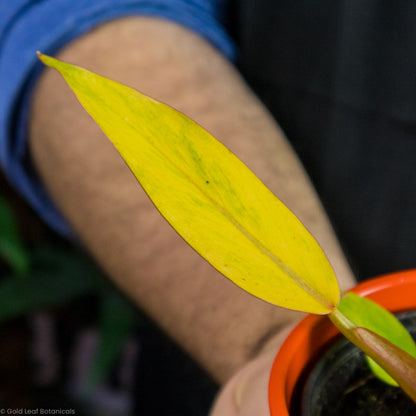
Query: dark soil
[{"x": 342, "y": 385}]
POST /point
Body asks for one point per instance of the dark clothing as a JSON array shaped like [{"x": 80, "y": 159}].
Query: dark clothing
[{"x": 340, "y": 78}]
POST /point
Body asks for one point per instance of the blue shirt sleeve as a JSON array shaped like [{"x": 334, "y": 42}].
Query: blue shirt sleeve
[{"x": 30, "y": 25}]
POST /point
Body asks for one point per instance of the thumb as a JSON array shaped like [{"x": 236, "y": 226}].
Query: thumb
[{"x": 246, "y": 393}]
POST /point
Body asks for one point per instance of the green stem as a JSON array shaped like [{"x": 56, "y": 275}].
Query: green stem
[{"x": 347, "y": 328}]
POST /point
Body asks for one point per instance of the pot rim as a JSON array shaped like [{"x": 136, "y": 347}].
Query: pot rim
[{"x": 395, "y": 291}]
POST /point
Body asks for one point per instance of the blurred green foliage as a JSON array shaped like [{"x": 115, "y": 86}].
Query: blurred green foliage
[
  {"x": 53, "y": 276},
  {"x": 11, "y": 247}
]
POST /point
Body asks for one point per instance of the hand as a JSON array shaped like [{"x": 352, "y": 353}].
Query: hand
[{"x": 246, "y": 393}]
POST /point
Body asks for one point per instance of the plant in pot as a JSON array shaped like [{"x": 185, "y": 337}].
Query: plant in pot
[
  {"x": 317, "y": 373},
  {"x": 229, "y": 217}
]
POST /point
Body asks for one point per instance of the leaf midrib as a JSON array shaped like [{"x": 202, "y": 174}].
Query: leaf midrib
[{"x": 255, "y": 241}]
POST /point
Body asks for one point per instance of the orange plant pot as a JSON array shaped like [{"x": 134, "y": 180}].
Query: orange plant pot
[{"x": 396, "y": 292}]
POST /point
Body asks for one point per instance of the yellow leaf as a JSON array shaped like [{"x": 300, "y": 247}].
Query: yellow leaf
[{"x": 209, "y": 196}]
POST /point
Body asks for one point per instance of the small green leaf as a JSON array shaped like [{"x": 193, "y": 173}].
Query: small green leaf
[
  {"x": 11, "y": 246},
  {"x": 209, "y": 196},
  {"x": 368, "y": 314},
  {"x": 400, "y": 364}
]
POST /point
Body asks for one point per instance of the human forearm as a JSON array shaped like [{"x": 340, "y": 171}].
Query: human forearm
[{"x": 218, "y": 323}]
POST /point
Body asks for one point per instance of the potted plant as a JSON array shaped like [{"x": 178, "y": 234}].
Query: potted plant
[
  {"x": 315, "y": 335},
  {"x": 229, "y": 217}
]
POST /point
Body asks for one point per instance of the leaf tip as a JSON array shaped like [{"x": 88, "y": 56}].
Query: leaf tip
[
  {"x": 40, "y": 56},
  {"x": 47, "y": 60}
]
